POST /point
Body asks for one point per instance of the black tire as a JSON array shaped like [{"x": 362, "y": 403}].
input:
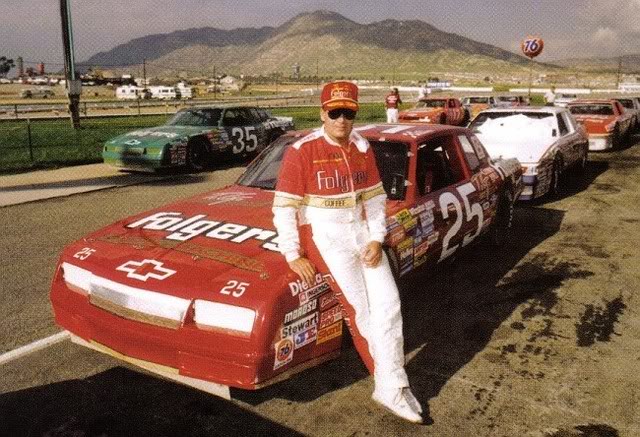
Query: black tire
[
  {"x": 581, "y": 165},
  {"x": 196, "y": 155},
  {"x": 500, "y": 230},
  {"x": 466, "y": 118},
  {"x": 616, "y": 138},
  {"x": 443, "y": 119},
  {"x": 556, "y": 177}
]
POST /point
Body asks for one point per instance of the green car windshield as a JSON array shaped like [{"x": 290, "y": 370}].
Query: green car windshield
[{"x": 197, "y": 117}]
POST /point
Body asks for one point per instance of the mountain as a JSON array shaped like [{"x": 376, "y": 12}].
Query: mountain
[
  {"x": 321, "y": 42},
  {"x": 627, "y": 64}
]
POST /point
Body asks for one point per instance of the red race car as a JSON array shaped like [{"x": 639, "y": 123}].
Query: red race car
[
  {"x": 196, "y": 291},
  {"x": 606, "y": 121},
  {"x": 437, "y": 110}
]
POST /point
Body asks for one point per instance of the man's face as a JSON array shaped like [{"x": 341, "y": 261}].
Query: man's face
[{"x": 338, "y": 128}]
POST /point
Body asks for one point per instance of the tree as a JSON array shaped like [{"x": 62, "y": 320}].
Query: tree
[{"x": 5, "y": 65}]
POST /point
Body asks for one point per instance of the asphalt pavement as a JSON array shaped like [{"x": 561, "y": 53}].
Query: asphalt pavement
[{"x": 45, "y": 184}]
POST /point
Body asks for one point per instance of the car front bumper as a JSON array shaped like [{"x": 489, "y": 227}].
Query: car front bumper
[{"x": 600, "y": 142}]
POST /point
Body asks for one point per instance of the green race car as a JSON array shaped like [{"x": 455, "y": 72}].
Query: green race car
[{"x": 193, "y": 137}]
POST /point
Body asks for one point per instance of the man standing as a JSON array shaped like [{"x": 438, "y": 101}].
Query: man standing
[
  {"x": 391, "y": 102},
  {"x": 550, "y": 96},
  {"x": 330, "y": 181}
]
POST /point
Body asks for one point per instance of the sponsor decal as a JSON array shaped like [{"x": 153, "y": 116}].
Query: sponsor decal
[
  {"x": 299, "y": 325},
  {"x": 178, "y": 154},
  {"x": 150, "y": 133},
  {"x": 421, "y": 249},
  {"x": 145, "y": 269},
  {"x": 405, "y": 244},
  {"x": 305, "y": 292},
  {"x": 405, "y": 218},
  {"x": 396, "y": 235},
  {"x": 133, "y": 142},
  {"x": 419, "y": 260},
  {"x": 284, "y": 352},
  {"x": 301, "y": 311},
  {"x": 330, "y": 316},
  {"x": 328, "y": 299},
  {"x": 330, "y": 332},
  {"x": 486, "y": 206},
  {"x": 305, "y": 337},
  {"x": 418, "y": 209},
  {"x": 235, "y": 259},
  {"x": 182, "y": 228},
  {"x": 229, "y": 197}
]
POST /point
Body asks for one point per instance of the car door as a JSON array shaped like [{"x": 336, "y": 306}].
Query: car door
[
  {"x": 237, "y": 123},
  {"x": 262, "y": 130},
  {"x": 571, "y": 143}
]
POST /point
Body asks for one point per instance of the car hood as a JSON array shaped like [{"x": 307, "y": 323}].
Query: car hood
[
  {"x": 156, "y": 136},
  {"x": 192, "y": 249},
  {"x": 516, "y": 136}
]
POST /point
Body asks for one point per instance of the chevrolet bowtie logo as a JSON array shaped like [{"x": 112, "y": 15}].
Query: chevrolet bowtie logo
[{"x": 145, "y": 269}]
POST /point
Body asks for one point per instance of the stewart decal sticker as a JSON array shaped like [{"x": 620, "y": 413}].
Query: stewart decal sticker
[
  {"x": 305, "y": 337},
  {"x": 301, "y": 311},
  {"x": 300, "y": 325},
  {"x": 284, "y": 353},
  {"x": 330, "y": 332},
  {"x": 185, "y": 228},
  {"x": 330, "y": 316}
]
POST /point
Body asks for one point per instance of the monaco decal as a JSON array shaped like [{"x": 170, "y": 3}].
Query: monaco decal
[
  {"x": 145, "y": 269},
  {"x": 182, "y": 228},
  {"x": 301, "y": 311}
]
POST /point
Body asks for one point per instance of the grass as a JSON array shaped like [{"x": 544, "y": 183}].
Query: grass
[{"x": 55, "y": 144}]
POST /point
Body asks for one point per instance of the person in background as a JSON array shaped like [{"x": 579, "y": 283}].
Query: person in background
[
  {"x": 329, "y": 180},
  {"x": 391, "y": 102},
  {"x": 550, "y": 96}
]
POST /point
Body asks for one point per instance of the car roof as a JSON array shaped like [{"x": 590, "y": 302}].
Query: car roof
[
  {"x": 417, "y": 132},
  {"x": 590, "y": 101},
  {"x": 539, "y": 109}
]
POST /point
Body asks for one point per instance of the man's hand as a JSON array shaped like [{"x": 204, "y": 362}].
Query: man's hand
[
  {"x": 303, "y": 267},
  {"x": 372, "y": 254}
]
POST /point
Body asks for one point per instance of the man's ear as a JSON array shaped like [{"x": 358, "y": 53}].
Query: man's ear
[{"x": 323, "y": 115}]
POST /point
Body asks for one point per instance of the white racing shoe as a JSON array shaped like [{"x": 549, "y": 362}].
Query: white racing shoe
[{"x": 401, "y": 402}]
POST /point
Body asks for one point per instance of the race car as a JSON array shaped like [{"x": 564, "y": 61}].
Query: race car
[
  {"x": 196, "y": 291},
  {"x": 606, "y": 121},
  {"x": 437, "y": 110},
  {"x": 546, "y": 140},
  {"x": 475, "y": 104},
  {"x": 508, "y": 101},
  {"x": 632, "y": 105},
  {"x": 194, "y": 136}
]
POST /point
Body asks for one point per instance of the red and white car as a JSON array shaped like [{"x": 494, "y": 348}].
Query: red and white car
[
  {"x": 546, "y": 140},
  {"x": 437, "y": 110},
  {"x": 196, "y": 291},
  {"x": 606, "y": 121},
  {"x": 631, "y": 104}
]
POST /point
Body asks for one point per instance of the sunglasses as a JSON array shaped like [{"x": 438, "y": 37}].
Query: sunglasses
[{"x": 348, "y": 114}]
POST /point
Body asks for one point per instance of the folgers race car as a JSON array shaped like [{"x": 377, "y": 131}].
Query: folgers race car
[
  {"x": 546, "y": 140},
  {"x": 437, "y": 110},
  {"x": 196, "y": 291},
  {"x": 193, "y": 137},
  {"x": 606, "y": 121}
]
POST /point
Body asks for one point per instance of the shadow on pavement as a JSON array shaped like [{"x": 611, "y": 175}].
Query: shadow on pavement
[{"x": 119, "y": 402}]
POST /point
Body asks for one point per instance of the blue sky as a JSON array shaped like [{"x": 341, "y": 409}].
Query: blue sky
[{"x": 570, "y": 28}]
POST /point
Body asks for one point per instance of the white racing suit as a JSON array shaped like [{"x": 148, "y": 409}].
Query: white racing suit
[{"x": 338, "y": 192}]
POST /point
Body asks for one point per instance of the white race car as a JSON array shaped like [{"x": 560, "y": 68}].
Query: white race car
[{"x": 546, "y": 141}]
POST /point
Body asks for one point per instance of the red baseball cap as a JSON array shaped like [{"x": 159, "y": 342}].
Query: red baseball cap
[{"x": 339, "y": 94}]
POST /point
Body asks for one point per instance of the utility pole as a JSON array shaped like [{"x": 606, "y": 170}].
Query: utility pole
[
  {"x": 144, "y": 75},
  {"x": 618, "y": 73},
  {"x": 215, "y": 84},
  {"x": 73, "y": 84},
  {"x": 317, "y": 76}
]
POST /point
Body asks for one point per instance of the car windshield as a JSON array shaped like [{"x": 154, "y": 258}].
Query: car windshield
[
  {"x": 514, "y": 125},
  {"x": 197, "y": 117},
  {"x": 391, "y": 159},
  {"x": 509, "y": 99},
  {"x": 592, "y": 109},
  {"x": 567, "y": 96},
  {"x": 431, "y": 104},
  {"x": 475, "y": 100},
  {"x": 627, "y": 103}
]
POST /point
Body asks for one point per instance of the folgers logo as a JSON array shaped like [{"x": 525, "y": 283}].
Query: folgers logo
[{"x": 182, "y": 228}]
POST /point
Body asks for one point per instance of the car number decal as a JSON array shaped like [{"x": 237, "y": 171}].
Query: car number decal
[
  {"x": 234, "y": 288},
  {"x": 449, "y": 199},
  {"x": 244, "y": 140}
]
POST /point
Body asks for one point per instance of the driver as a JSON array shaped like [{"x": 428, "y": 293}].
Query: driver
[{"x": 329, "y": 179}]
